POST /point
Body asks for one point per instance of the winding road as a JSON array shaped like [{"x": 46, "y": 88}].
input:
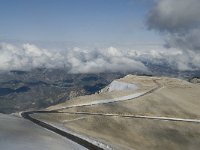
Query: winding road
[{"x": 87, "y": 143}]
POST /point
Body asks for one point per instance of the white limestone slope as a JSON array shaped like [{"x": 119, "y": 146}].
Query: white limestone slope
[{"x": 121, "y": 86}]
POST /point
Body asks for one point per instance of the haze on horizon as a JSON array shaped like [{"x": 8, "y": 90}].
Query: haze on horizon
[{"x": 99, "y": 35}]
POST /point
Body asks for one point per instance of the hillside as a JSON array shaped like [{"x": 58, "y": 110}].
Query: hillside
[
  {"x": 134, "y": 112},
  {"x": 43, "y": 87}
]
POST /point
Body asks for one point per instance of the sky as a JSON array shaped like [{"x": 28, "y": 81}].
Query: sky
[
  {"x": 90, "y": 36},
  {"x": 76, "y": 20}
]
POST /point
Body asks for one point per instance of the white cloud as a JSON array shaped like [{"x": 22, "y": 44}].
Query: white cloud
[
  {"x": 180, "y": 22},
  {"x": 101, "y": 60},
  {"x": 78, "y": 60}
]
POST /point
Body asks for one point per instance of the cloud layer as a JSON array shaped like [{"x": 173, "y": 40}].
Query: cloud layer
[{"x": 78, "y": 60}]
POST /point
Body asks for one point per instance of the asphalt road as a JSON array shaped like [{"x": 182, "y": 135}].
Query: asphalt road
[
  {"x": 17, "y": 133},
  {"x": 72, "y": 137}
]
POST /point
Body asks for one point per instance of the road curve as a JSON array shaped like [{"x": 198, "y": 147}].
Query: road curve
[{"x": 74, "y": 138}]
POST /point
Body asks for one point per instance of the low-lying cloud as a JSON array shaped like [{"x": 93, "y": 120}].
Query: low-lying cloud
[
  {"x": 76, "y": 60},
  {"x": 27, "y": 56},
  {"x": 79, "y": 60}
]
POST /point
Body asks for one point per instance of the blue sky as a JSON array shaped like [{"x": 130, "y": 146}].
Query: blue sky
[{"x": 120, "y": 21}]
